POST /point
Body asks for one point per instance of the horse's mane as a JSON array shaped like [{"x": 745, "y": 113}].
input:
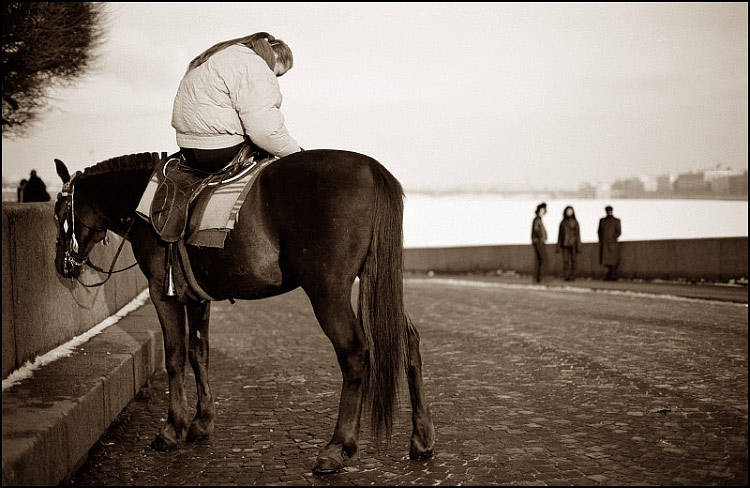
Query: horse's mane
[{"x": 129, "y": 162}]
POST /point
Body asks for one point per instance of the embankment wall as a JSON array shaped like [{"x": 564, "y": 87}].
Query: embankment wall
[
  {"x": 42, "y": 310},
  {"x": 712, "y": 259}
]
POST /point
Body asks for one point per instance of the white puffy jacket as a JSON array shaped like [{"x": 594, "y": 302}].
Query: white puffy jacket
[{"x": 230, "y": 95}]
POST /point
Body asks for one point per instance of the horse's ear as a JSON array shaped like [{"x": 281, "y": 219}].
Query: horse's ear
[{"x": 62, "y": 171}]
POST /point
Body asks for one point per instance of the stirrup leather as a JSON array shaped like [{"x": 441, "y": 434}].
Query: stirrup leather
[{"x": 169, "y": 208}]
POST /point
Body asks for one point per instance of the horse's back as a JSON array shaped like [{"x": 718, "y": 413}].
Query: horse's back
[
  {"x": 316, "y": 173},
  {"x": 308, "y": 220}
]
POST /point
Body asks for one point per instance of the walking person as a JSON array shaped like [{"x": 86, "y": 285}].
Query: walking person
[
  {"x": 569, "y": 242},
  {"x": 609, "y": 253},
  {"x": 538, "y": 240}
]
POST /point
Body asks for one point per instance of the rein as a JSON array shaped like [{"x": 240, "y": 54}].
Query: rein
[
  {"x": 110, "y": 272},
  {"x": 73, "y": 254}
]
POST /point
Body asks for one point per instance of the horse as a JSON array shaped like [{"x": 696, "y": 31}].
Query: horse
[{"x": 316, "y": 219}]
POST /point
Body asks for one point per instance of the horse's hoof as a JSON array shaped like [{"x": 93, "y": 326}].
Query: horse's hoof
[
  {"x": 419, "y": 452},
  {"x": 328, "y": 465},
  {"x": 353, "y": 455},
  {"x": 420, "y": 456},
  {"x": 195, "y": 435},
  {"x": 326, "y": 468},
  {"x": 197, "y": 432},
  {"x": 161, "y": 443}
]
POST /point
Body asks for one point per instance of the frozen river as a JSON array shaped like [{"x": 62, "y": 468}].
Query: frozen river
[{"x": 473, "y": 219}]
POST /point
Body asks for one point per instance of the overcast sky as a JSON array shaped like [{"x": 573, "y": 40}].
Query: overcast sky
[{"x": 445, "y": 95}]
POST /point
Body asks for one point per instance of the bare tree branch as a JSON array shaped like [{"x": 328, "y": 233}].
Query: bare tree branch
[{"x": 45, "y": 45}]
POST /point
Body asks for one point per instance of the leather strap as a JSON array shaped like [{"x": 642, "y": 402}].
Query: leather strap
[{"x": 187, "y": 269}]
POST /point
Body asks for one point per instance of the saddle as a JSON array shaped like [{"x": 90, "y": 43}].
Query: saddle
[
  {"x": 168, "y": 204},
  {"x": 182, "y": 184}
]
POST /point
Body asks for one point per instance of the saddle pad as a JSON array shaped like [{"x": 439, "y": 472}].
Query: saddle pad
[{"x": 214, "y": 212}]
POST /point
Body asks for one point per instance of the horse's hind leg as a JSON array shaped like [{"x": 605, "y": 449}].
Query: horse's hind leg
[
  {"x": 172, "y": 317},
  {"x": 336, "y": 317},
  {"x": 198, "y": 319},
  {"x": 423, "y": 435}
]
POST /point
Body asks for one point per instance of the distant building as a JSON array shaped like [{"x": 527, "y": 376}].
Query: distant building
[
  {"x": 717, "y": 182},
  {"x": 719, "y": 179},
  {"x": 665, "y": 184},
  {"x": 603, "y": 190},
  {"x": 632, "y": 187},
  {"x": 594, "y": 189},
  {"x": 587, "y": 190},
  {"x": 737, "y": 184},
  {"x": 650, "y": 183},
  {"x": 691, "y": 184}
]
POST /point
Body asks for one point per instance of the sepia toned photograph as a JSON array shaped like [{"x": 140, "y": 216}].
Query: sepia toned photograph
[{"x": 375, "y": 243}]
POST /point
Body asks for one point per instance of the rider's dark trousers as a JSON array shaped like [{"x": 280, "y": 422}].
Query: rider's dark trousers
[{"x": 209, "y": 160}]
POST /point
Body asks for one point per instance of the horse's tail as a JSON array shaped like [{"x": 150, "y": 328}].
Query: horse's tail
[{"x": 381, "y": 303}]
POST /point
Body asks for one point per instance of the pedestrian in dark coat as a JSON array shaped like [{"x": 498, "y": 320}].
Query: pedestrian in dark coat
[
  {"x": 609, "y": 252},
  {"x": 538, "y": 239},
  {"x": 569, "y": 242},
  {"x": 35, "y": 189}
]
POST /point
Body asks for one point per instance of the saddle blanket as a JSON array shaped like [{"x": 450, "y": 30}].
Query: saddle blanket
[{"x": 215, "y": 210}]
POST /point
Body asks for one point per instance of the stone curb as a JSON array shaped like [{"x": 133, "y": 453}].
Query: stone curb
[
  {"x": 725, "y": 293},
  {"x": 51, "y": 420}
]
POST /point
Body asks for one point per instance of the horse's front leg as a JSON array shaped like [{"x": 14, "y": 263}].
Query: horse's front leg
[
  {"x": 423, "y": 435},
  {"x": 172, "y": 317},
  {"x": 339, "y": 323},
  {"x": 198, "y": 318}
]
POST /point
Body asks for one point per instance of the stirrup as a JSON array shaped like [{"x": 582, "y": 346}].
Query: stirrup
[{"x": 168, "y": 275}]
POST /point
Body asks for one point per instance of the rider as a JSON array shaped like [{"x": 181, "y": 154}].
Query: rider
[
  {"x": 229, "y": 94},
  {"x": 228, "y": 97}
]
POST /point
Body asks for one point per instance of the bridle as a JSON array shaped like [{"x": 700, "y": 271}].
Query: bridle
[{"x": 71, "y": 257}]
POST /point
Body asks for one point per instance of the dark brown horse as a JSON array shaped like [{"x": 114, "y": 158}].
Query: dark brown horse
[{"x": 315, "y": 219}]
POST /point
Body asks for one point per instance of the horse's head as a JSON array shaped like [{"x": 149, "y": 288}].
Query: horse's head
[{"x": 78, "y": 227}]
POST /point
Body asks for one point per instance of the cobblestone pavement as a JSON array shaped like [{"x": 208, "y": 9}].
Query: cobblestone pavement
[{"x": 527, "y": 387}]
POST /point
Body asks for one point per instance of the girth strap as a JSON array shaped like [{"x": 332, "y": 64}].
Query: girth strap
[{"x": 187, "y": 269}]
